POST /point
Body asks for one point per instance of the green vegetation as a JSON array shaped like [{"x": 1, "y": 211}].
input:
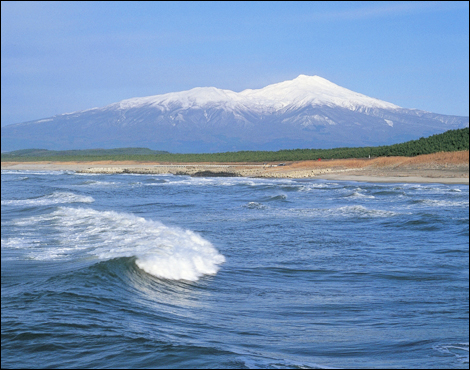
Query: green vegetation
[
  {"x": 78, "y": 155},
  {"x": 84, "y": 152},
  {"x": 449, "y": 141}
]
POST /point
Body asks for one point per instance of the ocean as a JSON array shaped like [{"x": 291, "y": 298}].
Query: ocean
[{"x": 164, "y": 271}]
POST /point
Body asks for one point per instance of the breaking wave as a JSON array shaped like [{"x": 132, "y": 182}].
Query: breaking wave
[
  {"x": 357, "y": 194},
  {"x": 54, "y": 198},
  {"x": 278, "y": 197},
  {"x": 97, "y": 183},
  {"x": 255, "y": 205},
  {"x": 162, "y": 251}
]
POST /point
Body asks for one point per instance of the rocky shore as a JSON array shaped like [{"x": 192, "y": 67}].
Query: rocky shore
[{"x": 271, "y": 171}]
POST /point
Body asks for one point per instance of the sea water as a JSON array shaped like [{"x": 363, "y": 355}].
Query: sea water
[{"x": 163, "y": 271}]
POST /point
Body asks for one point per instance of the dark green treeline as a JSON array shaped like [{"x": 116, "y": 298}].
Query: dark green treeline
[{"x": 449, "y": 141}]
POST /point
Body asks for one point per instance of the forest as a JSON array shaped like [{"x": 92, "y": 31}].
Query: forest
[{"x": 449, "y": 141}]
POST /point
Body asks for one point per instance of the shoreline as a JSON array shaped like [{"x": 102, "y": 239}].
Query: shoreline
[{"x": 441, "y": 168}]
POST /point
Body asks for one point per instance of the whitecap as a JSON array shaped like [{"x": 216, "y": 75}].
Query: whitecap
[
  {"x": 357, "y": 194},
  {"x": 255, "y": 361},
  {"x": 443, "y": 203},
  {"x": 362, "y": 211},
  {"x": 457, "y": 350},
  {"x": 255, "y": 205},
  {"x": 54, "y": 198},
  {"x": 277, "y": 197},
  {"x": 345, "y": 211},
  {"x": 15, "y": 243},
  {"x": 162, "y": 251},
  {"x": 314, "y": 186},
  {"x": 22, "y": 178},
  {"x": 97, "y": 183}
]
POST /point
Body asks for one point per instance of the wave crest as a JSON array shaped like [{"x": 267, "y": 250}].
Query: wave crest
[
  {"x": 56, "y": 197},
  {"x": 162, "y": 251}
]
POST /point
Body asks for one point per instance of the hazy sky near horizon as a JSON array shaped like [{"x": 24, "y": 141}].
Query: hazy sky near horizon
[{"x": 60, "y": 57}]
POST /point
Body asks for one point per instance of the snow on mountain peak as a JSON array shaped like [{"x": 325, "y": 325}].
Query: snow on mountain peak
[
  {"x": 302, "y": 91},
  {"x": 316, "y": 91},
  {"x": 197, "y": 97}
]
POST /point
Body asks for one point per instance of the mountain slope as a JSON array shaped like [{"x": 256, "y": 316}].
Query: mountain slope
[{"x": 306, "y": 112}]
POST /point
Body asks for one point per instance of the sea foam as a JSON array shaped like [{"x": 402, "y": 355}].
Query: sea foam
[
  {"x": 54, "y": 198},
  {"x": 458, "y": 350},
  {"x": 162, "y": 251}
]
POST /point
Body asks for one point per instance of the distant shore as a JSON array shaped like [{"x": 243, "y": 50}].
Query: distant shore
[{"x": 448, "y": 168}]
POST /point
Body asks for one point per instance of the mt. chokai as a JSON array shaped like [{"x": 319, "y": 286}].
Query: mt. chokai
[{"x": 306, "y": 112}]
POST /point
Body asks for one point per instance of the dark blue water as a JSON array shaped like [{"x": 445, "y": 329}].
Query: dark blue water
[{"x": 147, "y": 271}]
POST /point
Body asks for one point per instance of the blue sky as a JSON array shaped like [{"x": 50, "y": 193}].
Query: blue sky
[{"x": 60, "y": 57}]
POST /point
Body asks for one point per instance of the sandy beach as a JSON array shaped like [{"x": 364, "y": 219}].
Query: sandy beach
[{"x": 449, "y": 168}]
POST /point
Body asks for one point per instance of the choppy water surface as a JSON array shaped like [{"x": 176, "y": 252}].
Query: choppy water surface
[{"x": 152, "y": 271}]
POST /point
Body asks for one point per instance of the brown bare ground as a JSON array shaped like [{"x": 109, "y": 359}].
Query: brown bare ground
[
  {"x": 444, "y": 165},
  {"x": 442, "y": 158}
]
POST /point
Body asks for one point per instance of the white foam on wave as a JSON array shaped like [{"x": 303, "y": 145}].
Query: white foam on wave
[
  {"x": 22, "y": 178},
  {"x": 97, "y": 183},
  {"x": 162, "y": 251},
  {"x": 444, "y": 203},
  {"x": 15, "y": 243},
  {"x": 196, "y": 181},
  {"x": 315, "y": 186},
  {"x": 354, "y": 211},
  {"x": 54, "y": 198},
  {"x": 255, "y": 205},
  {"x": 255, "y": 361},
  {"x": 278, "y": 196},
  {"x": 361, "y": 211},
  {"x": 86, "y": 174},
  {"x": 357, "y": 194},
  {"x": 458, "y": 350},
  {"x": 435, "y": 189},
  {"x": 344, "y": 211},
  {"x": 186, "y": 180}
]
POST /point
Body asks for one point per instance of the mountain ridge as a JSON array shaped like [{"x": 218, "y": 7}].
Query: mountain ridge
[
  {"x": 308, "y": 111},
  {"x": 303, "y": 89}
]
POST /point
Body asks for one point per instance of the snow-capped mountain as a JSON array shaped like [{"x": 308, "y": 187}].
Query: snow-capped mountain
[{"x": 307, "y": 112}]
